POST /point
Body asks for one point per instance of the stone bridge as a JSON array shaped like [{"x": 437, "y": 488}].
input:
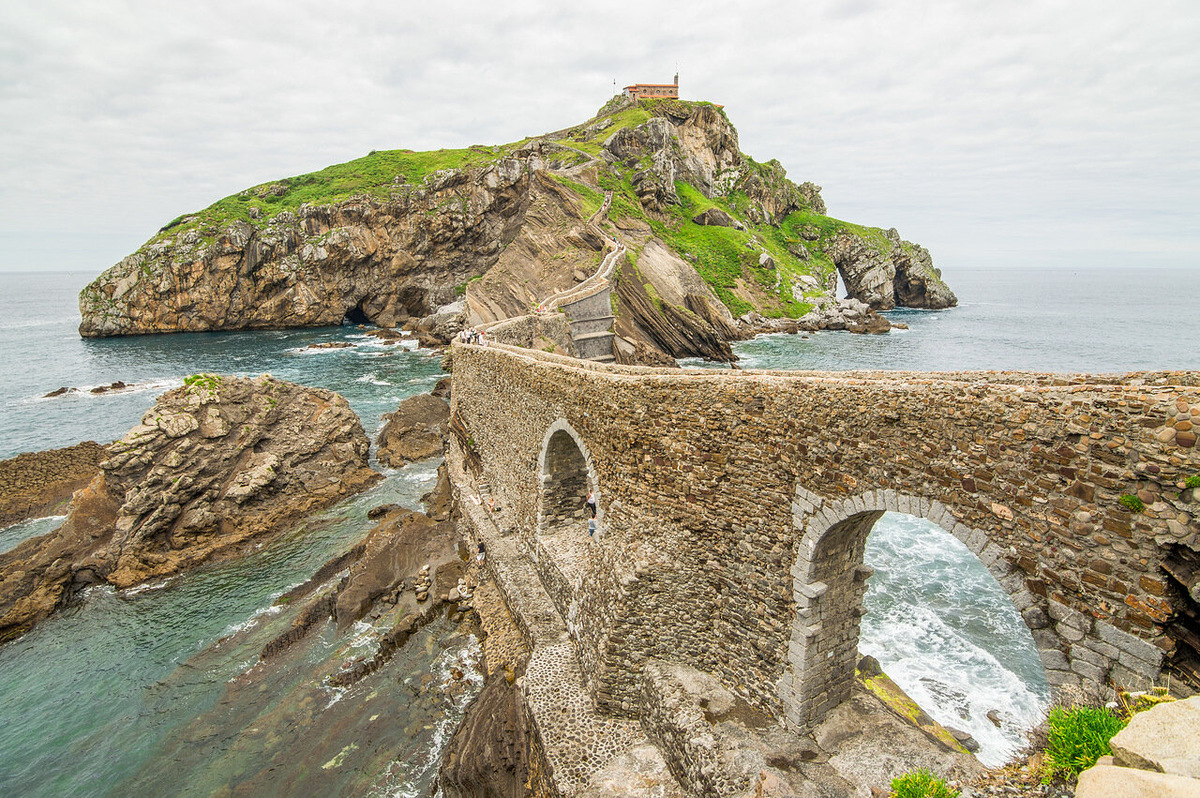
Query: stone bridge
[{"x": 734, "y": 508}]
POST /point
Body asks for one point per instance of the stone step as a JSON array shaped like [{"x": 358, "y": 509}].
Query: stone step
[
  {"x": 603, "y": 359},
  {"x": 593, "y": 336}
]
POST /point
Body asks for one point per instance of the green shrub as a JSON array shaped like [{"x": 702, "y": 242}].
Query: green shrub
[
  {"x": 1131, "y": 503},
  {"x": 1076, "y": 738},
  {"x": 1192, "y": 482},
  {"x": 921, "y": 784}
]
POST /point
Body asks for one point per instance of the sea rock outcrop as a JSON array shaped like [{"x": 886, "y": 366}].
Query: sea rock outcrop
[
  {"x": 39, "y": 483},
  {"x": 414, "y": 431},
  {"x": 213, "y": 464},
  {"x": 885, "y": 275},
  {"x": 366, "y": 259},
  {"x": 433, "y": 242}
]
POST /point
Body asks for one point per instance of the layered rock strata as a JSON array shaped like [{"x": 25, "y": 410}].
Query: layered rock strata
[
  {"x": 902, "y": 275},
  {"x": 372, "y": 260},
  {"x": 213, "y": 465},
  {"x": 39, "y": 483}
]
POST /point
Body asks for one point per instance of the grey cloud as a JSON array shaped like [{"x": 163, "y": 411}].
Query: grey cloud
[{"x": 990, "y": 132}]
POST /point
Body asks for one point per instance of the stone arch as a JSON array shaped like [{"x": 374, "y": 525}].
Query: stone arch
[
  {"x": 829, "y": 583},
  {"x": 565, "y": 475}
]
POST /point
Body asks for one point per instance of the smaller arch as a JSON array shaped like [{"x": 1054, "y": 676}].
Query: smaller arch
[
  {"x": 829, "y": 585},
  {"x": 566, "y": 476}
]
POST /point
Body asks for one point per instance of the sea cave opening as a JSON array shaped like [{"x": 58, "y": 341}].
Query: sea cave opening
[{"x": 356, "y": 315}]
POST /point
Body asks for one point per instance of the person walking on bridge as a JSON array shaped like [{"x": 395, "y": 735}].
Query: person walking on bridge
[{"x": 591, "y": 503}]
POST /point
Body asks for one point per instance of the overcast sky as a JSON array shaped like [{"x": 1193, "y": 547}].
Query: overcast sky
[{"x": 995, "y": 133}]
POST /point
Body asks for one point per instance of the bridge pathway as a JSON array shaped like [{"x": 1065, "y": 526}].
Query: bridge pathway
[{"x": 577, "y": 741}]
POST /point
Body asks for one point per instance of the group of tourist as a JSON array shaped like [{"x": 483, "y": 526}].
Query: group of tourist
[{"x": 470, "y": 335}]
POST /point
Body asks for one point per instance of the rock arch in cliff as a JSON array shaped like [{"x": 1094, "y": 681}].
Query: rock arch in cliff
[{"x": 829, "y": 581}]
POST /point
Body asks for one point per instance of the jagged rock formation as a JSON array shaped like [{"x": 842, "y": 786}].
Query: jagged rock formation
[
  {"x": 214, "y": 464},
  {"x": 414, "y": 431},
  {"x": 366, "y": 258},
  {"x": 488, "y": 756},
  {"x": 884, "y": 278},
  {"x": 401, "y": 238}
]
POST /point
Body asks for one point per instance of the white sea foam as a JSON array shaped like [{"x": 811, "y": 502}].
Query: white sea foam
[
  {"x": 85, "y": 391},
  {"x": 234, "y": 628},
  {"x": 404, "y": 779},
  {"x": 946, "y": 632},
  {"x": 335, "y": 693},
  {"x": 148, "y": 587},
  {"x": 46, "y": 521}
]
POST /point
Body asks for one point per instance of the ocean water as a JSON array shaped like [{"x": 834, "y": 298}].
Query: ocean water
[
  {"x": 41, "y": 351},
  {"x": 1060, "y": 320},
  {"x": 103, "y": 697}
]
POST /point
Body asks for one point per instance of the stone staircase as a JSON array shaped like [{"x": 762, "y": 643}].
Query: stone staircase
[{"x": 588, "y": 305}]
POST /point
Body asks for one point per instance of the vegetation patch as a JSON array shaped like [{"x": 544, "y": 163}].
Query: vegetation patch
[
  {"x": 921, "y": 784},
  {"x": 205, "y": 385},
  {"x": 376, "y": 175},
  {"x": 1131, "y": 503},
  {"x": 1077, "y": 737},
  {"x": 590, "y": 198},
  {"x": 1192, "y": 482},
  {"x": 203, "y": 382},
  {"x": 726, "y": 256}
]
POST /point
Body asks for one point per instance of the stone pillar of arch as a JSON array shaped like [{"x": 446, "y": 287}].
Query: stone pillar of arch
[{"x": 829, "y": 583}]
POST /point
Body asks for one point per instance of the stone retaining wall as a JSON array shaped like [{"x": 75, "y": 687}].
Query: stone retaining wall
[{"x": 730, "y": 498}]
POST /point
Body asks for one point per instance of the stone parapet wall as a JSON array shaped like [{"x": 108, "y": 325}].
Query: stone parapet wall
[
  {"x": 534, "y": 332},
  {"x": 677, "y": 725},
  {"x": 570, "y": 742},
  {"x": 711, "y": 484}
]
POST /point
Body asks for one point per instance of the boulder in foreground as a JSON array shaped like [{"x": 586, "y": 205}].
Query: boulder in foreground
[{"x": 213, "y": 464}]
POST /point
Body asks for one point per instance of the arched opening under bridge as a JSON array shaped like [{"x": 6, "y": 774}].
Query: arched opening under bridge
[
  {"x": 948, "y": 634},
  {"x": 947, "y": 620},
  {"x": 565, "y": 527}
]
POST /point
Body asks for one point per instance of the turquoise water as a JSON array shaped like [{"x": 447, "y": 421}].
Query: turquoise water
[
  {"x": 103, "y": 693},
  {"x": 91, "y": 696},
  {"x": 1061, "y": 320}
]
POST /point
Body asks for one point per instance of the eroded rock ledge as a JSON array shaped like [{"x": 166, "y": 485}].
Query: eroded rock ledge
[
  {"x": 38, "y": 483},
  {"x": 213, "y": 464}
]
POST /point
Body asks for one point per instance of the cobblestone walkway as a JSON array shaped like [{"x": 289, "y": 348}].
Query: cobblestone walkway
[{"x": 578, "y": 740}]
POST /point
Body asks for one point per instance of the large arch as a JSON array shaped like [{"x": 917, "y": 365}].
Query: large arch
[{"x": 829, "y": 583}]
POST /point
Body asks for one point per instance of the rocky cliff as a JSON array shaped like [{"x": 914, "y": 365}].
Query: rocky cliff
[
  {"x": 212, "y": 465},
  {"x": 711, "y": 235}
]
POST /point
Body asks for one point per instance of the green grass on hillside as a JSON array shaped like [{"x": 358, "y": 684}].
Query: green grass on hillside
[
  {"x": 588, "y": 196},
  {"x": 726, "y": 258},
  {"x": 374, "y": 175}
]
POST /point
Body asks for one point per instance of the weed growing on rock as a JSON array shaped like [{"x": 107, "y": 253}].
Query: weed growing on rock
[
  {"x": 1076, "y": 738},
  {"x": 1131, "y": 503},
  {"x": 921, "y": 784},
  {"x": 1192, "y": 482},
  {"x": 203, "y": 382}
]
